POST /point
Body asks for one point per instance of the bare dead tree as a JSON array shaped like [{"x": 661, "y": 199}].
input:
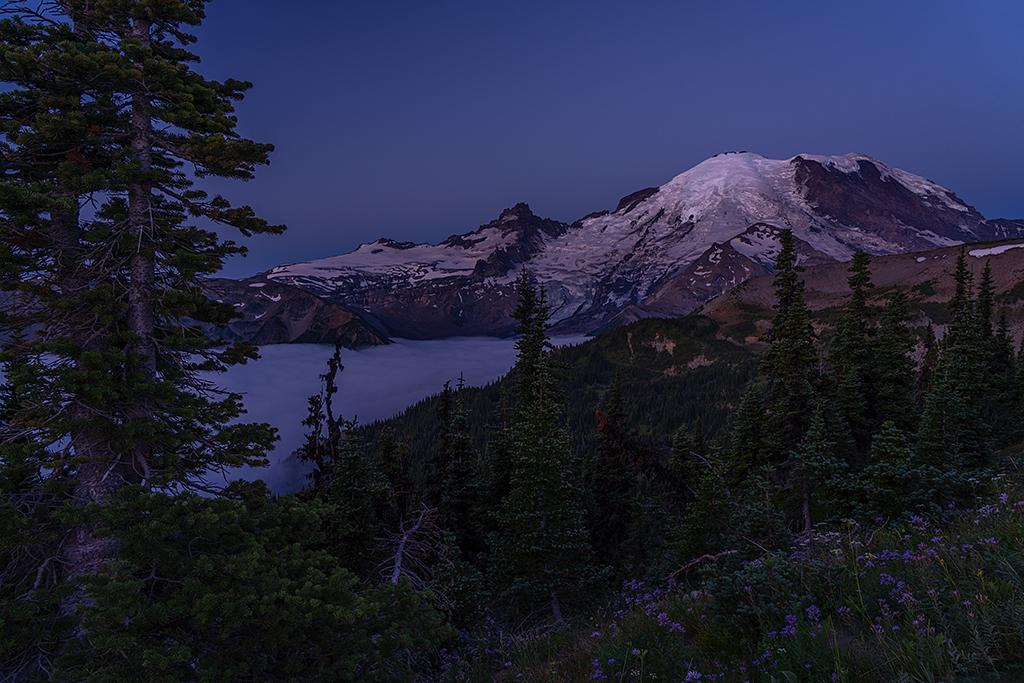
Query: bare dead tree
[{"x": 415, "y": 551}]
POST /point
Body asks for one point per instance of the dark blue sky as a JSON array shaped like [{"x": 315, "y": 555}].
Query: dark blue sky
[{"x": 415, "y": 120}]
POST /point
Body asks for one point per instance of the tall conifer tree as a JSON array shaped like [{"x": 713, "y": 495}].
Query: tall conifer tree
[
  {"x": 789, "y": 364},
  {"x": 612, "y": 480},
  {"x": 543, "y": 553},
  {"x": 106, "y": 108},
  {"x": 894, "y": 366},
  {"x": 952, "y": 432},
  {"x": 458, "y": 500},
  {"x": 851, "y": 358}
]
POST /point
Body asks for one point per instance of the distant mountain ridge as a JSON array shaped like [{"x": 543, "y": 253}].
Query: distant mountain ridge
[
  {"x": 663, "y": 251},
  {"x": 277, "y": 313}
]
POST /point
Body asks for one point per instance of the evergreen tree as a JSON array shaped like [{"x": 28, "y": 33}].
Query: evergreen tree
[
  {"x": 894, "y": 366},
  {"x": 531, "y": 315},
  {"x": 106, "y": 108},
  {"x": 985, "y": 303},
  {"x": 851, "y": 358},
  {"x": 962, "y": 303},
  {"x": 820, "y": 475},
  {"x": 705, "y": 518},
  {"x": 542, "y": 555},
  {"x": 896, "y": 481},
  {"x": 929, "y": 361},
  {"x": 393, "y": 461},
  {"x": 1001, "y": 403},
  {"x": 30, "y": 537},
  {"x": 436, "y": 465},
  {"x": 612, "y": 481},
  {"x": 688, "y": 460},
  {"x": 749, "y": 447},
  {"x": 457, "y": 501},
  {"x": 245, "y": 586},
  {"x": 953, "y": 409},
  {"x": 494, "y": 480},
  {"x": 341, "y": 472},
  {"x": 939, "y": 435},
  {"x": 789, "y": 364}
]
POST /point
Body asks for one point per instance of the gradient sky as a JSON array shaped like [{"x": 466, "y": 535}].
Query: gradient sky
[{"x": 416, "y": 120}]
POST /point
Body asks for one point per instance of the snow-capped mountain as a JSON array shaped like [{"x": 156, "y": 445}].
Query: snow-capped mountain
[{"x": 662, "y": 251}]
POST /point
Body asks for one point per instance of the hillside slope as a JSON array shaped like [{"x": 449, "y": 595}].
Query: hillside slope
[
  {"x": 277, "y": 313},
  {"x": 926, "y": 277}
]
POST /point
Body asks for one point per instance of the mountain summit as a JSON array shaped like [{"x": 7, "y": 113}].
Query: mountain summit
[{"x": 662, "y": 251}]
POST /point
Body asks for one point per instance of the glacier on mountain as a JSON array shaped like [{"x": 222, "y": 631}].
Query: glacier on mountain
[{"x": 725, "y": 213}]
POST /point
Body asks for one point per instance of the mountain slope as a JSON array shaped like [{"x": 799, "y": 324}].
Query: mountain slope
[
  {"x": 662, "y": 251},
  {"x": 276, "y": 313},
  {"x": 744, "y": 313}
]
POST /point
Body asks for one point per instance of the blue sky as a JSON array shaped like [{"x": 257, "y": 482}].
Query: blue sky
[{"x": 415, "y": 120}]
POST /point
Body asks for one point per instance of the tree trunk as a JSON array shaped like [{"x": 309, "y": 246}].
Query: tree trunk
[
  {"x": 807, "y": 512},
  {"x": 101, "y": 472},
  {"x": 140, "y": 220},
  {"x": 556, "y": 608},
  {"x": 84, "y": 552}
]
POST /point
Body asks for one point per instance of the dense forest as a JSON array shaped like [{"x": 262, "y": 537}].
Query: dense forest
[{"x": 845, "y": 505}]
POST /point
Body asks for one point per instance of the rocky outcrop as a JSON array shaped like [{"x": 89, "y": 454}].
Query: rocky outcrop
[{"x": 276, "y": 313}]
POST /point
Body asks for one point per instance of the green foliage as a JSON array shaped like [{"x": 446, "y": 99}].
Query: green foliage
[
  {"x": 342, "y": 473},
  {"x": 474, "y": 506},
  {"x": 243, "y": 587},
  {"x": 909, "y": 602},
  {"x": 100, "y": 113},
  {"x": 788, "y": 365},
  {"x": 107, "y": 133},
  {"x": 542, "y": 556},
  {"x": 894, "y": 367},
  {"x": 663, "y": 392},
  {"x": 612, "y": 483},
  {"x": 851, "y": 357},
  {"x": 820, "y": 475},
  {"x": 953, "y": 431},
  {"x": 458, "y": 499}
]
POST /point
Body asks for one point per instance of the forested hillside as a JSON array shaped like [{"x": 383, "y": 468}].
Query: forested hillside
[
  {"x": 678, "y": 370},
  {"x": 674, "y": 371}
]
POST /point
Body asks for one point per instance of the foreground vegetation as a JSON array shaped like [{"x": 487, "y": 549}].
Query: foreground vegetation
[{"x": 915, "y": 601}]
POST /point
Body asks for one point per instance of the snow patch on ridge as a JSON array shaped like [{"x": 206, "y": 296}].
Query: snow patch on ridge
[{"x": 992, "y": 251}]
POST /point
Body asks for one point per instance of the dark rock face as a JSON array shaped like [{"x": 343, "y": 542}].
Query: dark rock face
[
  {"x": 527, "y": 232},
  {"x": 723, "y": 267},
  {"x": 452, "y": 307},
  {"x": 1005, "y": 228},
  {"x": 883, "y": 206},
  {"x": 718, "y": 270},
  {"x": 629, "y": 202},
  {"x": 275, "y": 313}
]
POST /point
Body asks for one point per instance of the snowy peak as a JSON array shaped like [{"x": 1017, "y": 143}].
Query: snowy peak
[
  {"x": 662, "y": 250},
  {"x": 516, "y": 234}
]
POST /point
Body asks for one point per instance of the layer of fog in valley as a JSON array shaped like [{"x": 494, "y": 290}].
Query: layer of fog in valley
[{"x": 377, "y": 382}]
